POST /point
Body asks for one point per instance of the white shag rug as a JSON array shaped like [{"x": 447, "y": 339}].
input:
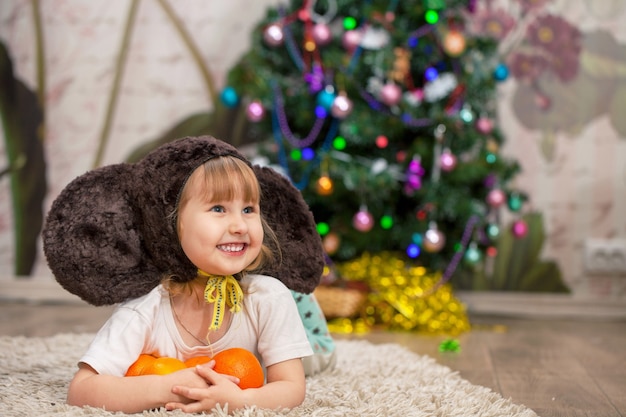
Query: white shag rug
[{"x": 370, "y": 380}]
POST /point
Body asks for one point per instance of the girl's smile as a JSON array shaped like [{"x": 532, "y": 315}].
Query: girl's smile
[{"x": 234, "y": 248}]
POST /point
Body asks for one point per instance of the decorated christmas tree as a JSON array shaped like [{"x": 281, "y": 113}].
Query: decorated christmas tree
[{"x": 384, "y": 114}]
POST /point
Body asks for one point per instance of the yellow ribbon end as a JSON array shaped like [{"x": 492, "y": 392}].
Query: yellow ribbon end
[{"x": 222, "y": 291}]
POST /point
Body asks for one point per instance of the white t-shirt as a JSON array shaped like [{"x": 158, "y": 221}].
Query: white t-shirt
[{"x": 268, "y": 325}]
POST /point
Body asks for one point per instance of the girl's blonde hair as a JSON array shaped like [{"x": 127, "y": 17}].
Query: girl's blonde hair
[{"x": 225, "y": 178}]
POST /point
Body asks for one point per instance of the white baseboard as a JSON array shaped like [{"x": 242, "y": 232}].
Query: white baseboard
[
  {"x": 543, "y": 305},
  {"x": 35, "y": 290},
  {"x": 517, "y": 304}
]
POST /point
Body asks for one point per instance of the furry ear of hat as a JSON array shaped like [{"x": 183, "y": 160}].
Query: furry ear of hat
[{"x": 109, "y": 235}]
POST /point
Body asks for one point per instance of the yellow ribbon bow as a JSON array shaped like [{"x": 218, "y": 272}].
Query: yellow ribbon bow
[{"x": 222, "y": 291}]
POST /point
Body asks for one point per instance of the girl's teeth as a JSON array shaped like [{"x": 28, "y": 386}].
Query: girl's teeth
[{"x": 231, "y": 248}]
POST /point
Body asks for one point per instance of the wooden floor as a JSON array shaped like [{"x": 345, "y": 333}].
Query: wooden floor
[{"x": 556, "y": 367}]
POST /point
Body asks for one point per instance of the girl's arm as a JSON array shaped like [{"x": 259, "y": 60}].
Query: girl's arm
[
  {"x": 285, "y": 388},
  {"x": 129, "y": 394}
]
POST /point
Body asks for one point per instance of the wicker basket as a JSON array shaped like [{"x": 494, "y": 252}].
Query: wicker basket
[{"x": 339, "y": 302}]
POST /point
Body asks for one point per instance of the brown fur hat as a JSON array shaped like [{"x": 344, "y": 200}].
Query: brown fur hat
[{"x": 109, "y": 235}]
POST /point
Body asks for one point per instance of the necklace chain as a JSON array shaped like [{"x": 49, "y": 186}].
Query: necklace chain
[{"x": 203, "y": 342}]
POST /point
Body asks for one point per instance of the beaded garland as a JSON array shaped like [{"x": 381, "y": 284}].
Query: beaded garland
[{"x": 280, "y": 129}]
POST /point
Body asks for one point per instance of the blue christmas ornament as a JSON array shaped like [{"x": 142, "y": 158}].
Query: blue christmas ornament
[
  {"x": 229, "y": 97},
  {"x": 413, "y": 251},
  {"x": 431, "y": 74},
  {"x": 466, "y": 115},
  {"x": 320, "y": 112},
  {"x": 308, "y": 154},
  {"x": 326, "y": 97},
  {"x": 493, "y": 231},
  {"x": 472, "y": 254},
  {"x": 501, "y": 72}
]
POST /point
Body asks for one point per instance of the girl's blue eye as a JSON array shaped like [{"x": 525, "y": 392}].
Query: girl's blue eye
[
  {"x": 217, "y": 209},
  {"x": 248, "y": 210}
]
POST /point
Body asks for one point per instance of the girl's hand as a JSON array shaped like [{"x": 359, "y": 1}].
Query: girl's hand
[
  {"x": 285, "y": 388},
  {"x": 132, "y": 394},
  {"x": 221, "y": 389},
  {"x": 188, "y": 377}
]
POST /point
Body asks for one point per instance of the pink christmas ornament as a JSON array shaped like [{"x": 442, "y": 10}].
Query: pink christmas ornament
[
  {"x": 273, "y": 35},
  {"x": 363, "y": 221},
  {"x": 496, "y": 198},
  {"x": 417, "y": 96},
  {"x": 447, "y": 160},
  {"x": 415, "y": 166},
  {"x": 414, "y": 182},
  {"x": 484, "y": 125},
  {"x": 382, "y": 141},
  {"x": 304, "y": 14},
  {"x": 351, "y": 39},
  {"x": 414, "y": 174},
  {"x": 390, "y": 94},
  {"x": 321, "y": 34},
  {"x": 255, "y": 111},
  {"x": 519, "y": 228},
  {"x": 341, "y": 107}
]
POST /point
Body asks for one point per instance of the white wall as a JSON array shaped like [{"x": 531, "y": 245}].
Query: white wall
[{"x": 581, "y": 190}]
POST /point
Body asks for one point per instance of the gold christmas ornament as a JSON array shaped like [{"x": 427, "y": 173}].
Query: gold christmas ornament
[
  {"x": 324, "y": 185},
  {"x": 331, "y": 243},
  {"x": 454, "y": 43},
  {"x": 402, "y": 65}
]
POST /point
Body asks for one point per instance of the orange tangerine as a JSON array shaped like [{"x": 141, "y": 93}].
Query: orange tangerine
[
  {"x": 139, "y": 366},
  {"x": 241, "y": 363},
  {"x": 163, "y": 366},
  {"x": 198, "y": 360}
]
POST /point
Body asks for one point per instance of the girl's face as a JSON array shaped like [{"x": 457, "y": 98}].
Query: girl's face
[{"x": 220, "y": 237}]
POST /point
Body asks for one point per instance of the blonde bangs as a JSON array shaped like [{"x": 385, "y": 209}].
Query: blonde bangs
[{"x": 227, "y": 178}]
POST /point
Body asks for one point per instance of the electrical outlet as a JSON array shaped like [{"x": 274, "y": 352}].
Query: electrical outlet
[{"x": 605, "y": 256}]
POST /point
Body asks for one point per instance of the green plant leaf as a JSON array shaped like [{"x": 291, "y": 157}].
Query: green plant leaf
[
  {"x": 194, "y": 125},
  {"x": 505, "y": 251},
  {"x": 543, "y": 277},
  {"x": 22, "y": 118},
  {"x": 518, "y": 266},
  {"x": 225, "y": 123}
]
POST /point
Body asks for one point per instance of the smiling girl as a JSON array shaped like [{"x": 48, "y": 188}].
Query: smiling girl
[{"x": 227, "y": 303}]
